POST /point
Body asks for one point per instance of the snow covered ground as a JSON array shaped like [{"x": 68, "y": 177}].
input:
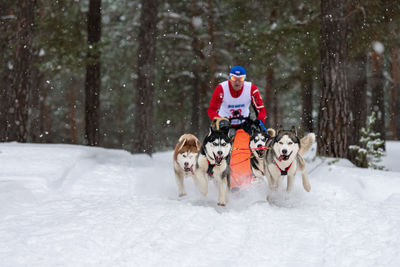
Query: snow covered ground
[{"x": 65, "y": 205}]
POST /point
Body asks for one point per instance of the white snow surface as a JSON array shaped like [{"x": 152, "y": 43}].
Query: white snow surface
[{"x": 64, "y": 205}]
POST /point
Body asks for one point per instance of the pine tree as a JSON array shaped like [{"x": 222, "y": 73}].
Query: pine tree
[
  {"x": 144, "y": 111},
  {"x": 370, "y": 151},
  {"x": 333, "y": 120},
  {"x": 93, "y": 75}
]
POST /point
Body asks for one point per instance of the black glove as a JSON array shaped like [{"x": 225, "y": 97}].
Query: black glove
[{"x": 247, "y": 126}]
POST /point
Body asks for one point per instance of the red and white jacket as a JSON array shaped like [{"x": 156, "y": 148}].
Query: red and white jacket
[{"x": 218, "y": 97}]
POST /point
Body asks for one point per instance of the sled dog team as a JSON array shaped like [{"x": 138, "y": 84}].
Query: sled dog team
[{"x": 274, "y": 155}]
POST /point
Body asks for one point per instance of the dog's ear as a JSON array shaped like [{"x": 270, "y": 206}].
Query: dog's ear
[
  {"x": 198, "y": 145},
  {"x": 209, "y": 131},
  {"x": 213, "y": 125},
  {"x": 252, "y": 131},
  {"x": 294, "y": 130},
  {"x": 183, "y": 143}
]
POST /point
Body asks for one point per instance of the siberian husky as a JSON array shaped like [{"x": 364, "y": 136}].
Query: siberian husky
[
  {"x": 213, "y": 163},
  {"x": 258, "y": 147},
  {"x": 285, "y": 158},
  {"x": 185, "y": 155}
]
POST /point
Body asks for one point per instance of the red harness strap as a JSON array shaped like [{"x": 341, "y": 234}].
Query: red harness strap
[{"x": 283, "y": 172}]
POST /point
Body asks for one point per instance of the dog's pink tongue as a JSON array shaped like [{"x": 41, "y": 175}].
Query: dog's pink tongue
[
  {"x": 281, "y": 157},
  {"x": 189, "y": 169}
]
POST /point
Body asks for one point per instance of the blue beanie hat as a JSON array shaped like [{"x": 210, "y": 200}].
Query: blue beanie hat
[{"x": 238, "y": 71}]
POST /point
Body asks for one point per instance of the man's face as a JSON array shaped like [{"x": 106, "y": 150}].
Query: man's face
[{"x": 237, "y": 82}]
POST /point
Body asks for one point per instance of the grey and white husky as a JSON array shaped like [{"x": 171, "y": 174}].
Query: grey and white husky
[
  {"x": 258, "y": 143},
  {"x": 213, "y": 163},
  {"x": 285, "y": 159}
]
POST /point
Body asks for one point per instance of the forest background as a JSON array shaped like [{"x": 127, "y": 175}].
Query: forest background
[{"x": 135, "y": 75}]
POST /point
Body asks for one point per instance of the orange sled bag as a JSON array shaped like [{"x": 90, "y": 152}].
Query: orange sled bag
[{"x": 241, "y": 174}]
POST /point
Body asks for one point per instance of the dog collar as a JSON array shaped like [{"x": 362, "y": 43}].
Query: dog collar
[{"x": 283, "y": 172}]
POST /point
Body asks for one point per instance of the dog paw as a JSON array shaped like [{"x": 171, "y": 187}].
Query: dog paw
[
  {"x": 307, "y": 187},
  {"x": 182, "y": 194},
  {"x": 306, "y": 183},
  {"x": 204, "y": 192},
  {"x": 221, "y": 204}
]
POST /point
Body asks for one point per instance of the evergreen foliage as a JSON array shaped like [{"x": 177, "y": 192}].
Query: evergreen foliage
[
  {"x": 370, "y": 152},
  {"x": 281, "y": 35}
]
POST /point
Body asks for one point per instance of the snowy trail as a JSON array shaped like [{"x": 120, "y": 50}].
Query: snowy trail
[{"x": 78, "y": 206}]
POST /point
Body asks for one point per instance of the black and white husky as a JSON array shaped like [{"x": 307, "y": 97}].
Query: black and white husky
[
  {"x": 213, "y": 163},
  {"x": 285, "y": 159},
  {"x": 258, "y": 147}
]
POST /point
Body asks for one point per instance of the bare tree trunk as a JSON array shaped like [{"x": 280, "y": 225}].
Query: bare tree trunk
[
  {"x": 271, "y": 101},
  {"x": 357, "y": 73},
  {"x": 34, "y": 105},
  {"x": 198, "y": 54},
  {"x": 334, "y": 108},
  {"x": 120, "y": 130},
  {"x": 72, "y": 117},
  {"x": 269, "y": 95},
  {"x": 276, "y": 110},
  {"x": 195, "y": 119},
  {"x": 6, "y": 27},
  {"x": 395, "y": 95},
  {"x": 212, "y": 56},
  {"x": 357, "y": 84},
  {"x": 211, "y": 68},
  {"x": 307, "y": 98},
  {"x": 93, "y": 80},
  {"x": 21, "y": 73},
  {"x": 143, "y": 132},
  {"x": 45, "y": 121},
  {"x": 182, "y": 98},
  {"x": 378, "y": 92},
  {"x": 5, "y": 104},
  {"x": 204, "y": 103}
]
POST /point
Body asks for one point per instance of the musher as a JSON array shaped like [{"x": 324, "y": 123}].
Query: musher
[{"x": 233, "y": 98}]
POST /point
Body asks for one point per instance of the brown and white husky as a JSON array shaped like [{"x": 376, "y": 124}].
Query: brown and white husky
[{"x": 185, "y": 156}]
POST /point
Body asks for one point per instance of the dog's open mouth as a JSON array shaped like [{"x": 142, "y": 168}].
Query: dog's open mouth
[
  {"x": 189, "y": 169},
  {"x": 260, "y": 152},
  {"x": 284, "y": 157},
  {"x": 218, "y": 159}
]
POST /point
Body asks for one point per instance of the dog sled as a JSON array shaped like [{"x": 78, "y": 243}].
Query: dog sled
[{"x": 241, "y": 175}]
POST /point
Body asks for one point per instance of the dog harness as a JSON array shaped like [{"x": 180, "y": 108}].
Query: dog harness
[{"x": 283, "y": 172}]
